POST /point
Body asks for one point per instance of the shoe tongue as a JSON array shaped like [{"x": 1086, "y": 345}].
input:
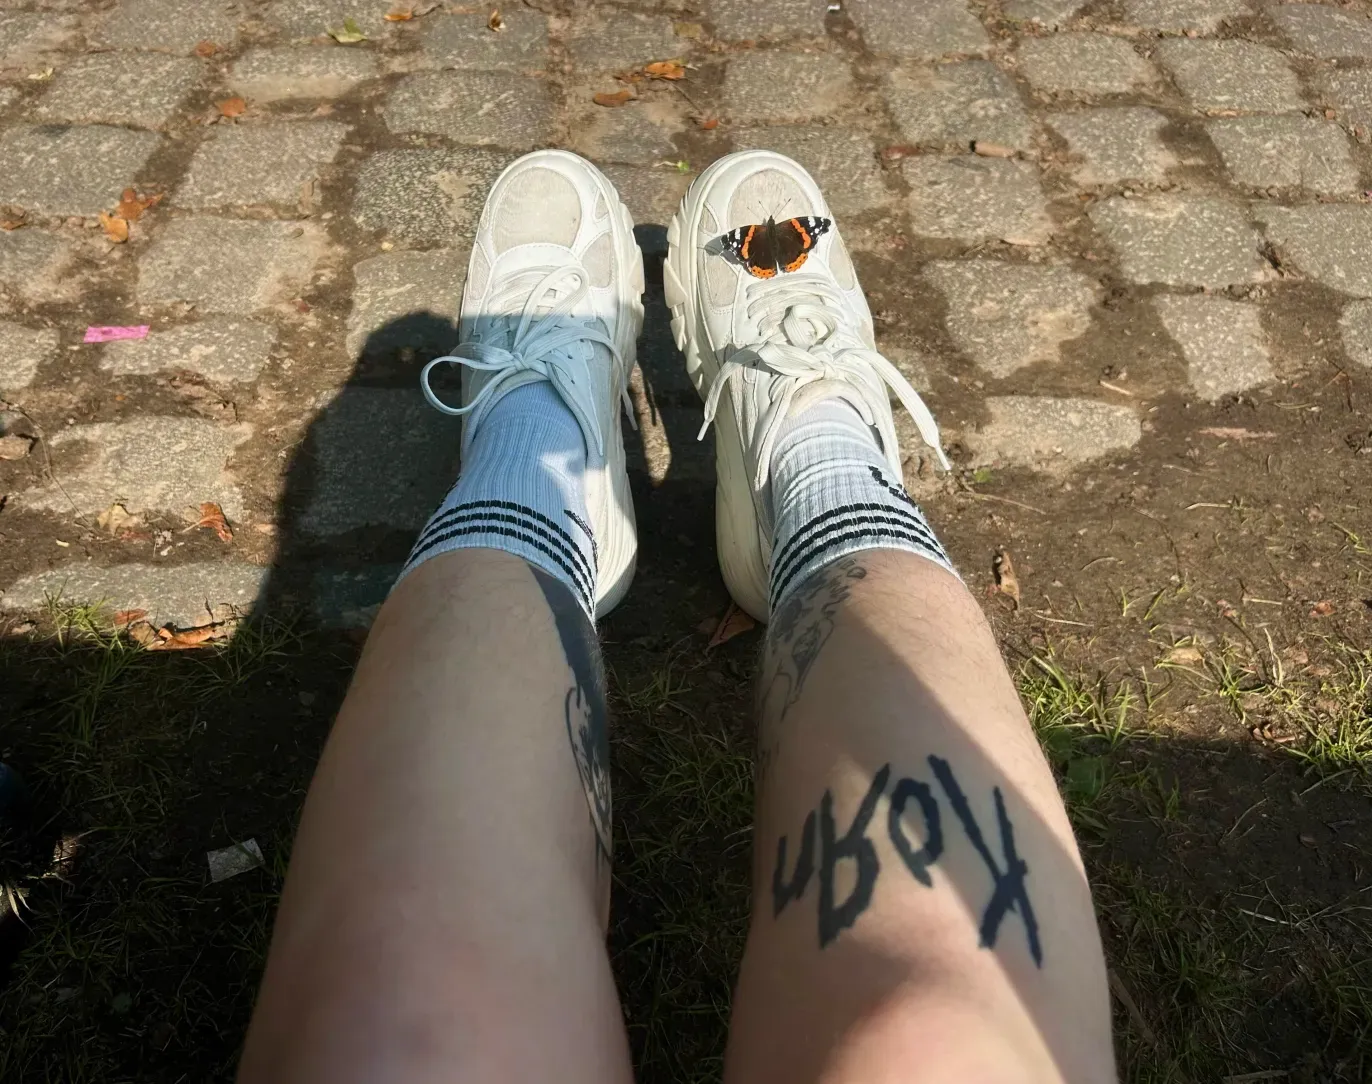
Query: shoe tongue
[{"x": 822, "y": 390}]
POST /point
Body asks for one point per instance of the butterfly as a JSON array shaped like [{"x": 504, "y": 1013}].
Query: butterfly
[{"x": 773, "y": 246}]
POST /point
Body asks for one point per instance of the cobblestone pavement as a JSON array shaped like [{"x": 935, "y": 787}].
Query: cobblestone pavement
[{"x": 1166, "y": 212}]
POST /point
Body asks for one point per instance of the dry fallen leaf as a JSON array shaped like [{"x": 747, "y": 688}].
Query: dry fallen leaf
[
  {"x": 11, "y": 218},
  {"x": 169, "y": 639},
  {"x": 117, "y": 518},
  {"x": 399, "y": 15},
  {"x": 1003, "y": 568},
  {"x": 665, "y": 69},
  {"x": 896, "y": 151},
  {"x": 708, "y": 124},
  {"x": 40, "y": 76},
  {"x": 13, "y": 446},
  {"x": 123, "y": 618},
  {"x": 992, "y": 150},
  {"x": 212, "y": 516},
  {"x": 116, "y": 229},
  {"x": 231, "y": 107},
  {"x": 735, "y": 622},
  {"x": 206, "y": 49},
  {"x": 496, "y": 22},
  {"x": 351, "y": 33},
  {"x": 1323, "y": 608},
  {"x": 1184, "y": 655},
  {"x": 610, "y": 101},
  {"x": 132, "y": 205}
]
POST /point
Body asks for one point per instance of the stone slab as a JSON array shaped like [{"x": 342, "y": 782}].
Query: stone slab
[
  {"x": 406, "y": 300},
  {"x": 25, "y": 36},
  {"x": 1116, "y": 144},
  {"x": 257, "y": 165},
  {"x": 1052, "y": 435},
  {"x": 1007, "y": 316},
  {"x": 1355, "y": 326},
  {"x": 167, "y": 28},
  {"x": 1051, "y": 14},
  {"x": 1222, "y": 342},
  {"x": 282, "y": 72},
  {"x": 119, "y": 88},
  {"x": 149, "y": 464},
  {"x": 616, "y": 40},
  {"x": 350, "y": 598},
  {"x": 640, "y": 133},
  {"x": 426, "y": 197},
  {"x": 1323, "y": 31},
  {"x": 785, "y": 86},
  {"x": 1178, "y": 16},
  {"x": 1329, "y": 242},
  {"x": 382, "y": 457},
  {"x": 1287, "y": 152},
  {"x": 70, "y": 171},
  {"x": 652, "y": 195},
  {"x": 747, "y": 20},
  {"x": 1349, "y": 91},
  {"x": 1223, "y": 75},
  {"x": 305, "y": 20},
  {"x": 22, "y": 350},
  {"x": 181, "y": 595},
  {"x": 477, "y": 108},
  {"x": 221, "y": 349},
  {"x": 926, "y": 30},
  {"x": 467, "y": 41},
  {"x": 222, "y": 265},
  {"x": 957, "y": 104},
  {"x": 842, "y": 159},
  {"x": 1180, "y": 241},
  {"x": 8, "y": 96},
  {"x": 32, "y": 262},
  {"x": 976, "y": 199},
  {"x": 1083, "y": 63}
]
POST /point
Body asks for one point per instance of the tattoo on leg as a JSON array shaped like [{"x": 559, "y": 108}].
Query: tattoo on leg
[
  {"x": 1008, "y": 875},
  {"x": 584, "y": 705}
]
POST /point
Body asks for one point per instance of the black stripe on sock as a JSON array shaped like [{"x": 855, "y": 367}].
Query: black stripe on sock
[
  {"x": 586, "y": 530},
  {"x": 462, "y": 513},
  {"x": 779, "y": 585},
  {"x": 558, "y": 541},
  {"x": 815, "y": 538},
  {"x": 801, "y": 538}
]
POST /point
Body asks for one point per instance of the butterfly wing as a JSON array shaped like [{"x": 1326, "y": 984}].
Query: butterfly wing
[
  {"x": 796, "y": 237},
  {"x": 753, "y": 247}
]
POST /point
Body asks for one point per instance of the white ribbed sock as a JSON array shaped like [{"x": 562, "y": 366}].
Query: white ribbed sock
[
  {"x": 522, "y": 490},
  {"x": 832, "y": 494}
]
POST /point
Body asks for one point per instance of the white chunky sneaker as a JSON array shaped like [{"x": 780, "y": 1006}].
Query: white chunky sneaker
[
  {"x": 762, "y": 349},
  {"x": 554, "y": 293}
]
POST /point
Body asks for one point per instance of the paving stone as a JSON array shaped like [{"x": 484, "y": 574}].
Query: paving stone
[
  {"x": 350, "y": 598},
  {"x": 1180, "y": 15},
  {"x": 299, "y": 20},
  {"x": 22, "y": 350},
  {"x": 247, "y": 165},
  {"x": 975, "y": 199},
  {"x": 425, "y": 196},
  {"x": 466, "y": 41},
  {"x": 747, "y": 20},
  {"x": 1080, "y": 63},
  {"x": 70, "y": 171},
  {"x": 926, "y": 30},
  {"x": 1181, "y": 241},
  {"x": 1285, "y": 151},
  {"x": 221, "y": 349},
  {"x": 957, "y": 103},
  {"x": 1054, "y": 435},
  {"x": 482, "y": 108},
  {"x": 652, "y": 195},
  {"x": 149, "y": 464},
  {"x": 8, "y": 96},
  {"x": 25, "y": 35},
  {"x": 407, "y": 300},
  {"x": 1219, "y": 75},
  {"x": 167, "y": 28},
  {"x": 1116, "y": 144},
  {"x": 1006, "y": 316},
  {"x": 1329, "y": 242},
  {"x": 382, "y": 457},
  {"x": 180, "y": 595},
  {"x": 640, "y": 133},
  {"x": 119, "y": 88},
  {"x": 222, "y": 265},
  {"x": 32, "y": 262},
  {"x": 615, "y": 40},
  {"x": 1356, "y": 328},
  {"x": 280, "y": 72},
  {"x": 1349, "y": 91},
  {"x": 1051, "y": 14},
  {"x": 1222, "y": 341},
  {"x": 782, "y": 86},
  {"x": 842, "y": 160},
  {"x": 1324, "y": 31}
]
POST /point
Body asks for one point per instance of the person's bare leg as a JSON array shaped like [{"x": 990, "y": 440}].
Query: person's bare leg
[
  {"x": 920, "y": 910},
  {"x": 445, "y": 911}
]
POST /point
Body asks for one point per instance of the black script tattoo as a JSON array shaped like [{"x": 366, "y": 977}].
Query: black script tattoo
[
  {"x": 584, "y": 705},
  {"x": 1009, "y": 892},
  {"x": 854, "y": 846},
  {"x": 916, "y": 861},
  {"x": 783, "y": 892}
]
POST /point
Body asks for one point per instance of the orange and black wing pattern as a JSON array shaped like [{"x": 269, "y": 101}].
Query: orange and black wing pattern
[{"x": 768, "y": 247}]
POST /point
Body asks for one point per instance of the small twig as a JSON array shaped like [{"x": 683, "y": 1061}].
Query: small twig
[
  {"x": 1131, "y": 1007},
  {"x": 1238, "y": 822},
  {"x": 1116, "y": 388},
  {"x": 1250, "y": 1078},
  {"x": 1265, "y": 918},
  {"x": 1002, "y": 500}
]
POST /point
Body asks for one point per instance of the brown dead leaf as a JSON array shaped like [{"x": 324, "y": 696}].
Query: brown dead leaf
[
  {"x": 1184, "y": 655},
  {"x": 169, "y": 639},
  {"x": 992, "y": 150},
  {"x": 735, "y": 622},
  {"x": 496, "y": 22},
  {"x": 611, "y": 101},
  {"x": 399, "y": 15},
  {"x": 707, "y": 124},
  {"x": 116, "y": 518},
  {"x": 123, "y": 618},
  {"x": 206, "y": 48},
  {"x": 1003, "y": 568},
  {"x": 896, "y": 151},
  {"x": 671, "y": 70},
  {"x": 11, "y": 218},
  {"x": 116, "y": 229},
  {"x": 1323, "y": 608},
  {"x": 15, "y": 446},
  {"x": 212, "y": 516},
  {"x": 142, "y": 633},
  {"x": 132, "y": 205},
  {"x": 231, "y": 107}
]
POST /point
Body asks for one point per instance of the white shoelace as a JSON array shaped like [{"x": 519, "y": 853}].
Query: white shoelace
[
  {"x": 542, "y": 344},
  {"x": 796, "y": 315}
]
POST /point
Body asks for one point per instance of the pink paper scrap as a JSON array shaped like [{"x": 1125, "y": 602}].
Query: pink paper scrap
[{"x": 110, "y": 334}]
